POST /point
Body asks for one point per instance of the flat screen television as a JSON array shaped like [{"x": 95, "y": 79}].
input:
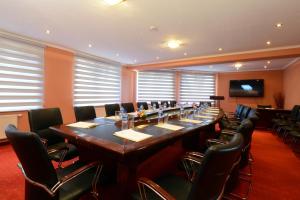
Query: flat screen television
[{"x": 246, "y": 88}]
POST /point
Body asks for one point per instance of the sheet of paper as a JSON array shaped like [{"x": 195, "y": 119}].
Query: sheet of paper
[
  {"x": 83, "y": 125},
  {"x": 210, "y": 113},
  {"x": 169, "y": 126},
  {"x": 132, "y": 135},
  {"x": 191, "y": 121},
  {"x": 116, "y": 118}
]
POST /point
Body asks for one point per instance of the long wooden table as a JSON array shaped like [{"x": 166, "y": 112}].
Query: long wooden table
[{"x": 99, "y": 143}]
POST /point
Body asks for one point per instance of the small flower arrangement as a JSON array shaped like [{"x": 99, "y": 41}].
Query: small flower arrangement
[{"x": 142, "y": 114}]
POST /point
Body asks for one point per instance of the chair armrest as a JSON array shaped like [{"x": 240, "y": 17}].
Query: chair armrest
[
  {"x": 191, "y": 164},
  {"x": 211, "y": 142},
  {"x": 75, "y": 173},
  {"x": 195, "y": 154},
  {"x": 228, "y": 132},
  {"x": 145, "y": 182},
  {"x": 45, "y": 142}
]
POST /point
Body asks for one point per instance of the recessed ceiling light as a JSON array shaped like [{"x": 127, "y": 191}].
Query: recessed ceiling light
[
  {"x": 265, "y": 66},
  {"x": 135, "y": 61},
  {"x": 220, "y": 49},
  {"x": 238, "y": 65},
  {"x": 90, "y": 45},
  {"x": 268, "y": 42},
  {"x": 157, "y": 57},
  {"x": 279, "y": 25},
  {"x": 153, "y": 28},
  {"x": 48, "y": 32},
  {"x": 174, "y": 44},
  {"x": 117, "y": 55},
  {"x": 185, "y": 54},
  {"x": 210, "y": 66},
  {"x": 113, "y": 2},
  {"x": 269, "y": 62}
]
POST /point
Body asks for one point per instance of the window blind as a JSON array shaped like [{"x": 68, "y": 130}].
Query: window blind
[
  {"x": 155, "y": 86},
  {"x": 196, "y": 87},
  {"x": 96, "y": 82},
  {"x": 21, "y": 75}
]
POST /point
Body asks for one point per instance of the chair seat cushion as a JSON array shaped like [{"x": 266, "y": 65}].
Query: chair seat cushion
[
  {"x": 176, "y": 186},
  {"x": 79, "y": 185},
  {"x": 72, "y": 152}
]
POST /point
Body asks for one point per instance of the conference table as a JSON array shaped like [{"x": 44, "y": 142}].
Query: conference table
[{"x": 116, "y": 146}]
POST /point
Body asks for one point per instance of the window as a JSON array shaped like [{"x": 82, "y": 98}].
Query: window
[
  {"x": 96, "y": 82},
  {"x": 21, "y": 75},
  {"x": 155, "y": 86},
  {"x": 196, "y": 87}
]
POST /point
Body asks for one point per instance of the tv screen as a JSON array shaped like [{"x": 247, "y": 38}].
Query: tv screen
[{"x": 246, "y": 88}]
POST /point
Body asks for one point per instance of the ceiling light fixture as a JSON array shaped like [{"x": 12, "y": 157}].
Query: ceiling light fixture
[
  {"x": 117, "y": 55},
  {"x": 90, "y": 46},
  {"x": 279, "y": 25},
  {"x": 185, "y": 54},
  {"x": 157, "y": 57},
  {"x": 268, "y": 62},
  {"x": 268, "y": 42},
  {"x": 48, "y": 32},
  {"x": 210, "y": 66},
  {"x": 135, "y": 61},
  {"x": 113, "y": 2},
  {"x": 265, "y": 66},
  {"x": 238, "y": 65},
  {"x": 220, "y": 49},
  {"x": 174, "y": 44}
]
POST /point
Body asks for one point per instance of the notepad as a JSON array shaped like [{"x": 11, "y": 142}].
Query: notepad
[
  {"x": 132, "y": 135},
  {"x": 169, "y": 126},
  {"x": 116, "y": 118},
  {"x": 83, "y": 125},
  {"x": 212, "y": 111},
  {"x": 191, "y": 121}
]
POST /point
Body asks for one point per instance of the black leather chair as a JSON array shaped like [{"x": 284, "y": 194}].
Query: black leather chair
[
  {"x": 162, "y": 103},
  {"x": 205, "y": 103},
  {"x": 128, "y": 107},
  {"x": 264, "y": 106},
  {"x": 111, "y": 109},
  {"x": 144, "y": 104},
  {"x": 85, "y": 113},
  {"x": 206, "y": 181},
  {"x": 173, "y": 104},
  {"x": 43, "y": 182},
  {"x": 40, "y": 120},
  {"x": 155, "y": 103}
]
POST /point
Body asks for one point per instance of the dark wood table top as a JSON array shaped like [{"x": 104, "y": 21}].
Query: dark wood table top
[{"x": 102, "y": 136}]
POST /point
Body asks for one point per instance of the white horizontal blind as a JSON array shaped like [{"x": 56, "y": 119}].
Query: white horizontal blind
[
  {"x": 96, "y": 83},
  {"x": 196, "y": 87},
  {"x": 21, "y": 75},
  {"x": 155, "y": 86}
]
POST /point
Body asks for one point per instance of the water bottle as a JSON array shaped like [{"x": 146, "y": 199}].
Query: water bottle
[
  {"x": 141, "y": 108},
  {"x": 124, "y": 115}
]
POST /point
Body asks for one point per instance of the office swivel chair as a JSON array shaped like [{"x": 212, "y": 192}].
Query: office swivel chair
[
  {"x": 144, "y": 104},
  {"x": 173, "y": 103},
  {"x": 84, "y": 113},
  {"x": 111, "y": 109},
  {"x": 42, "y": 180},
  {"x": 162, "y": 103},
  {"x": 128, "y": 107},
  {"x": 208, "y": 179},
  {"x": 155, "y": 103},
  {"x": 40, "y": 120}
]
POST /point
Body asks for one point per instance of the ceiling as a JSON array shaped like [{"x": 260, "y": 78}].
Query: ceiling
[
  {"x": 259, "y": 65},
  {"x": 122, "y": 32}
]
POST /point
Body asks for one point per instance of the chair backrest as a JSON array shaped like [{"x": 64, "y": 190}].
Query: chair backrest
[
  {"x": 84, "y": 113},
  {"x": 295, "y": 111},
  {"x": 242, "y": 107},
  {"x": 144, "y": 104},
  {"x": 245, "y": 112},
  {"x": 173, "y": 103},
  {"x": 111, "y": 109},
  {"x": 41, "y": 119},
  {"x": 128, "y": 107},
  {"x": 238, "y": 109},
  {"x": 253, "y": 116},
  {"x": 154, "y": 103},
  {"x": 162, "y": 103},
  {"x": 32, "y": 155},
  {"x": 215, "y": 169}
]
